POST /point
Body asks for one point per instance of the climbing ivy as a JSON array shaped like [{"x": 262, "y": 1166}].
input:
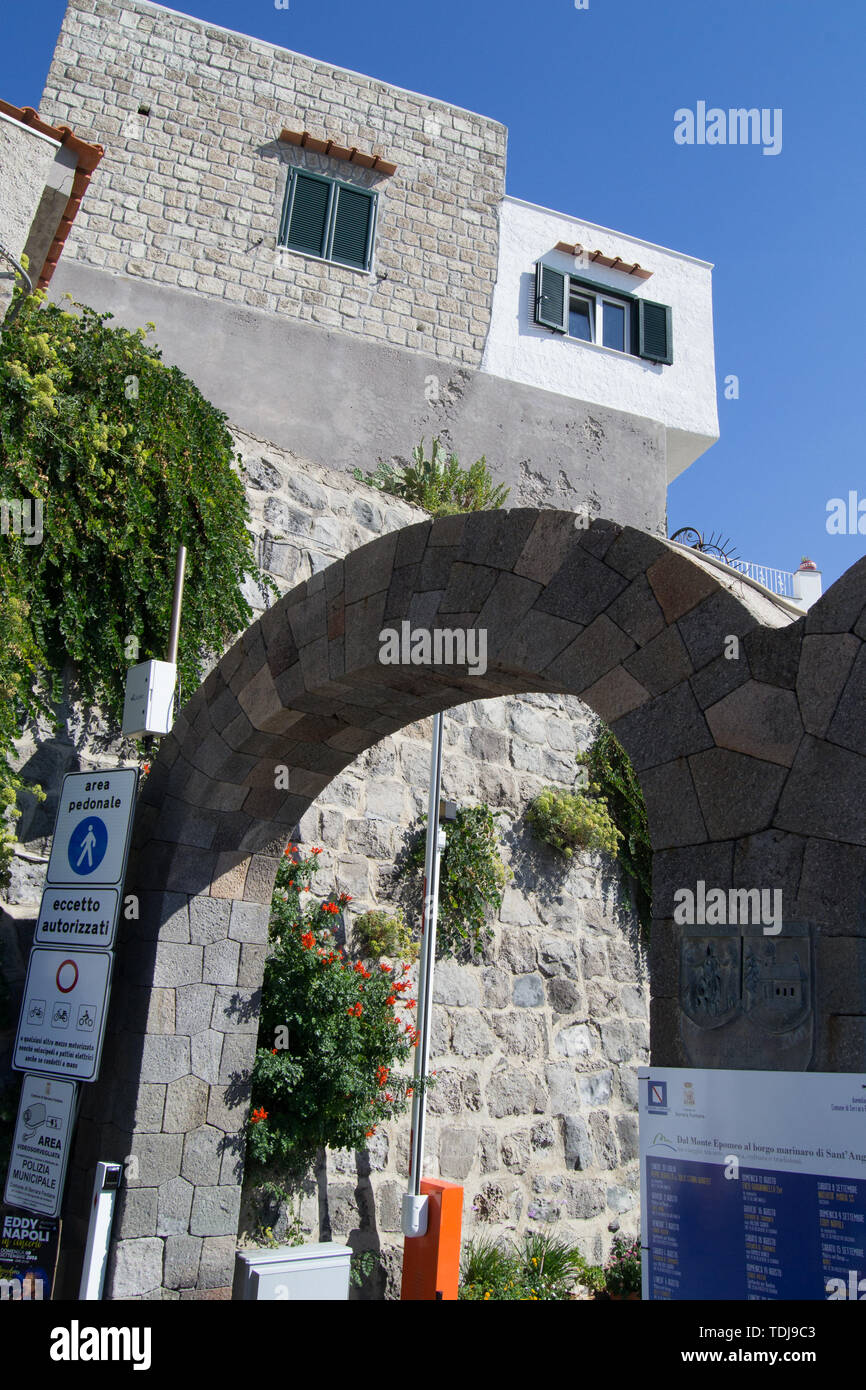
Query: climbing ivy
[
  {"x": 472, "y": 877},
  {"x": 610, "y": 767},
  {"x": 127, "y": 461}
]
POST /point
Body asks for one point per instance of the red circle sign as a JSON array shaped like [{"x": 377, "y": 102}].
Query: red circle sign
[{"x": 64, "y": 989}]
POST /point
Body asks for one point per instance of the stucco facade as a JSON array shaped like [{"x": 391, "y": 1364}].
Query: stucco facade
[{"x": 184, "y": 226}]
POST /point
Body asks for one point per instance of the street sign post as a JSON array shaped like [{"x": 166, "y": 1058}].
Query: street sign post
[
  {"x": 63, "y": 1013},
  {"x": 91, "y": 836},
  {"x": 78, "y": 917},
  {"x": 40, "y": 1151}
]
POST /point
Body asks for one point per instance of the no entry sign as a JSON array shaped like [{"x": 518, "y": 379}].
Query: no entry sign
[
  {"x": 63, "y": 1014},
  {"x": 91, "y": 836}
]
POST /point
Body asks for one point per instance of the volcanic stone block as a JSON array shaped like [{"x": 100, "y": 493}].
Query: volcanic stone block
[
  {"x": 548, "y": 544},
  {"x": 677, "y": 584},
  {"x": 134, "y": 1268},
  {"x": 672, "y": 804},
  {"x": 598, "y": 649},
  {"x": 577, "y": 1143},
  {"x": 662, "y": 663},
  {"x": 185, "y": 1105},
  {"x": 527, "y": 991},
  {"x": 758, "y": 719},
  {"x": 825, "y": 665},
  {"x": 182, "y": 1257},
  {"x": 175, "y": 1202},
  {"x": 202, "y": 1155},
  {"x": 457, "y": 1152},
  {"x": 670, "y": 726}
]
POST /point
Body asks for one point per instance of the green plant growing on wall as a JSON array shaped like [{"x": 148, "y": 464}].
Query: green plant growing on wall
[
  {"x": 127, "y": 460},
  {"x": 381, "y": 933},
  {"x": 608, "y": 814},
  {"x": 569, "y": 821},
  {"x": 330, "y": 1033},
  {"x": 472, "y": 877},
  {"x": 438, "y": 484},
  {"x": 610, "y": 767}
]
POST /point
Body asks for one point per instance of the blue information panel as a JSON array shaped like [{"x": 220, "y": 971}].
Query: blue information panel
[{"x": 753, "y": 1185}]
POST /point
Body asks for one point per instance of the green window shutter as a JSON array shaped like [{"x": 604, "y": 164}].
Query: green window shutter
[
  {"x": 654, "y": 331},
  {"x": 551, "y": 297},
  {"x": 353, "y": 219},
  {"x": 307, "y": 214}
]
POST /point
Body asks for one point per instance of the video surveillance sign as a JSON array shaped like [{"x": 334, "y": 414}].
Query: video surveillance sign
[{"x": 43, "y": 1138}]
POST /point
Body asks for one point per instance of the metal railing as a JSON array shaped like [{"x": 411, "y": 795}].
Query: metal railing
[{"x": 779, "y": 582}]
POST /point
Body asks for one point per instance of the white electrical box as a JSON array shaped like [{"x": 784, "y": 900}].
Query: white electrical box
[
  {"x": 293, "y": 1273},
  {"x": 149, "y": 704}
]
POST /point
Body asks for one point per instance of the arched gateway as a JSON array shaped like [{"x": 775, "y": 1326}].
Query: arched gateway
[{"x": 744, "y": 724}]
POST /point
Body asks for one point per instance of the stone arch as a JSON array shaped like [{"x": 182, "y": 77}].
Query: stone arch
[{"x": 749, "y": 763}]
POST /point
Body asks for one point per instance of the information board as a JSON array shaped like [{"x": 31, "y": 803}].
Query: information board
[
  {"x": 91, "y": 834},
  {"x": 753, "y": 1184},
  {"x": 40, "y": 1150},
  {"x": 63, "y": 1012}
]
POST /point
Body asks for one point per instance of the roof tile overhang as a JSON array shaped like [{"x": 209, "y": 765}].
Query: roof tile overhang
[
  {"x": 351, "y": 154},
  {"x": 598, "y": 257},
  {"x": 87, "y": 156}
]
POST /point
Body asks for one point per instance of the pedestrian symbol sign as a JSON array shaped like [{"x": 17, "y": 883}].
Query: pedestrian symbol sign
[
  {"x": 91, "y": 836},
  {"x": 63, "y": 1014},
  {"x": 87, "y": 845}
]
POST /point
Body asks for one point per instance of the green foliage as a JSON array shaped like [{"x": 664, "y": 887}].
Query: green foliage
[
  {"x": 540, "y": 1268},
  {"x": 438, "y": 484},
  {"x": 361, "y": 1266},
  {"x": 622, "y": 1271},
  {"x": 609, "y": 765},
  {"x": 128, "y": 461},
  {"x": 380, "y": 933},
  {"x": 270, "y": 1192},
  {"x": 329, "y": 1034},
  {"x": 573, "y": 820},
  {"x": 472, "y": 877}
]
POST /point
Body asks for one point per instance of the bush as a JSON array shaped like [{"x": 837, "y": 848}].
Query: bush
[
  {"x": 573, "y": 820},
  {"x": 329, "y": 1035},
  {"x": 380, "y": 933},
  {"x": 540, "y": 1268},
  {"x": 128, "y": 461},
  {"x": 472, "y": 877},
  {"x": 438, "y": 484},
  {"x": 622, "y": 1271}
]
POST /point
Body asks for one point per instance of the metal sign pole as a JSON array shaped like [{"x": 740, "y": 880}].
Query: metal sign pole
[{"x": 414, "y": 1205}]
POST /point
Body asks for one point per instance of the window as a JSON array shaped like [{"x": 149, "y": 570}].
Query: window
[
  {"x": 323, "y": 217},
  {"x": 580, "y": 309}
]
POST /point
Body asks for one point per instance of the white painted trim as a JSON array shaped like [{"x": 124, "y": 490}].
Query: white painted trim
[
  {"x": 323, "y": 62},
  {"x": 40, "y": 135},
  {"x": 608, "y": 231}
]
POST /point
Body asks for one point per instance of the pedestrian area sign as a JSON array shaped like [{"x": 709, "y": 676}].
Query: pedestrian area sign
[
  {"x": 91, "y": 836},
  {"x": 43, "y": 1138},
  {"x": 62, "y": 1020}
]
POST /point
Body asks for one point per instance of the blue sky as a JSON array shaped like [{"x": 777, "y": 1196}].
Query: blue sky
[{"x": 589, "y": 98}]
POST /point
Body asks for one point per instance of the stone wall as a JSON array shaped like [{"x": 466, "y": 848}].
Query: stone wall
[
  {"x": 190, "y": 195},
  {"x": 536, "y": 1047}
]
